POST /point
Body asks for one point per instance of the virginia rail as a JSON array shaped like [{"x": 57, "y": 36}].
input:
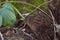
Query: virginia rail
[{"x": 42, "y": 25}]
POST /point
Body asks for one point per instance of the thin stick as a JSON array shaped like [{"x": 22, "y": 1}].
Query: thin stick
[
  {"x": 54, "y": 23},
  {"x": 1, "y": 36}
]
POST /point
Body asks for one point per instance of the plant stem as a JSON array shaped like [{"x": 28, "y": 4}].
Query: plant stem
[{"x": 19, "y": 12}]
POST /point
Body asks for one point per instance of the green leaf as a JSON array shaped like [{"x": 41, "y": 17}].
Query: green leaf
[
  {"x": 0, "y": 10},
  {"x": 8, "y": 14},
  {"x": 0, "y": 20},
  {"x": 8, "y": 17},
  {"x": 8, "y": 6}
]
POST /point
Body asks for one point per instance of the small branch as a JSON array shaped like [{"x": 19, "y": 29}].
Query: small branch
[
  {"x": 1, "y": 36},
  {"x": 54, "y": 23}
]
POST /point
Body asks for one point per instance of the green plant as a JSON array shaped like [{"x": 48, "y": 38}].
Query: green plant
[
  {"x": 7, "y": 13},
  {"x": 0, "y": 20}
]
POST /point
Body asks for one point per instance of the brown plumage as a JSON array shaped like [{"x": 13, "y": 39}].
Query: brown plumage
[{"x": 42, "y": 25}]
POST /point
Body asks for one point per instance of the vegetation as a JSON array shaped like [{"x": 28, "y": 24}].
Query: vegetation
[{"x": 27, "y": 19}]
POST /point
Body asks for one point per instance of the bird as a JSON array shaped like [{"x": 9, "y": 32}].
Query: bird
[{"x": 41, "y": 25}]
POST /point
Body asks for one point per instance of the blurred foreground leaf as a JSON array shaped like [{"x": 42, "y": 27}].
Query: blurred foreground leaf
[
  {"x": 0, "y": 20},
  {"x": 8, "y": 14}
]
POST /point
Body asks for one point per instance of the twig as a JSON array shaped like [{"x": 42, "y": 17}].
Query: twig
[
  {"x": 54, "y": 23},
  {"x": 23, "y": 26},
  {"x": 1, "y": 36}
]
